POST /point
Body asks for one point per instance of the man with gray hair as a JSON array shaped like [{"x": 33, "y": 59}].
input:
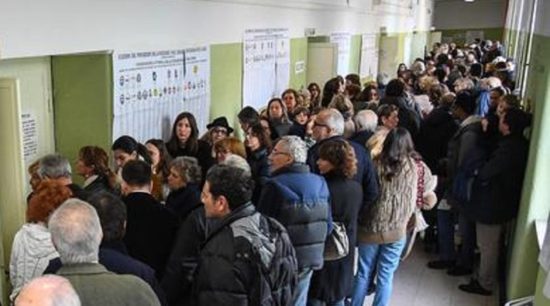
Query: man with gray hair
[
  {"x": 366, "y": 122},
  {"x": 48, "y": 290},
  {"x": 76, "y": 234},
  {"x": 56, "y": 167},
  {"x": 299, "y": 200},
  {"x": 329, "y": 125}
]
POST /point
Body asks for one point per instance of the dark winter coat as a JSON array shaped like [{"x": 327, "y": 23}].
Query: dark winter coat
[
  {"x": 409, "y": 114},
  {"x": 361, "y": 137},
  {"x": 203, "y": 154},
  {"x": 182, "y": 264},
  {"x": 335, "y": 280},
  {"x": 182, "y": 201},
  {"x": 150, "y": 230},
  {"x": 259, "y": 168},
  {"x": 101, "y": 183},
  {"x": 436, "y": 131},
  {"x": 366, "y": 172},
  {"x": 300, "y": 201},
  {"x": 497, "y": 189},
  {"x": 239, "y": 250}
]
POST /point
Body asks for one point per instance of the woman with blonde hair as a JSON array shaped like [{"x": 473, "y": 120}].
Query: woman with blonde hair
[{"x": 228, "y": 146}]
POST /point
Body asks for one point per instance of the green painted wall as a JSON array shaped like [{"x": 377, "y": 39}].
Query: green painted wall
[
  {"x": 524, "y": 268},
  {"x": 355, "y": 54},
  {"x": 298, "y": 53},
  {"x": 226, "y": 82},
  {"x": 459, "y": 35},
  {"x": 540, "y": 299},
  {"x": 82, "y": 93}
]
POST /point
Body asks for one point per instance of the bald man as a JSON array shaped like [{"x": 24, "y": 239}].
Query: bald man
[{"x": 48, "y": 290}]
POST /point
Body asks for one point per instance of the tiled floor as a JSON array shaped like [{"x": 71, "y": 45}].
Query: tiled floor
[{"x": 416, "y": 285}]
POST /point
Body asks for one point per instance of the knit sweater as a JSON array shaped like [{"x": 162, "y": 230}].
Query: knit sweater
[{"x": 386, "y": 220}]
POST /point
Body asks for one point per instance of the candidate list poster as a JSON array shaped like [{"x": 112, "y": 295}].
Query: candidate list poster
[
  {"x": 266, "y": 65},
  {"x": 343, "y": 41},
  {"x": 152, "y": 88}
]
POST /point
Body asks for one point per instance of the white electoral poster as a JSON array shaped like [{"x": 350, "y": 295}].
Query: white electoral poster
[
  {"x": 343, "y": 40},
  {"x": 196, "y": 85},
  {"x": 266, "y": 65},
  {"x": 369, "y": 57},
  {"x": 152, "y": 88}
]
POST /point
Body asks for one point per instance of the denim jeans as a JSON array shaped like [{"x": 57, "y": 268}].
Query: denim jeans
[
  {"x": 446, "y": 235},
  {"x": 386, "y": 258},
  {"x": 315, "y": 302},
  {"x": 302, "y": 288}
]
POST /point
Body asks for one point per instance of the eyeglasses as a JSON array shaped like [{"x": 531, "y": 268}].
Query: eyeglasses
[{"x": 219, "y": 131}]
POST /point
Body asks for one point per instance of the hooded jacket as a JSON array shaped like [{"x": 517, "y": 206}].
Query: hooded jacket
[
  {"x": 241, "y": 251},
  {"x": 31, "y": 252}
]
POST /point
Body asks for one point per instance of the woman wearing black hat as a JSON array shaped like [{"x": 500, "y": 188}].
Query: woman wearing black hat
[{"x": 217, "y": 130}]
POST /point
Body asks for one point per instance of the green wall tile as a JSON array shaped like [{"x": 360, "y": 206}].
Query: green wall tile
[
  {"x": 355, "y": 54},
  {"x": 226, "y": 82},
  {"x": 524, "y": 267},
  {"x": 82, "y": 94},
  {"x": 298, "y": 53}
]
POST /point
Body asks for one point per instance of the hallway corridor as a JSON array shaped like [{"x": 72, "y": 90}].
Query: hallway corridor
[{"x": 416, "y": 285}]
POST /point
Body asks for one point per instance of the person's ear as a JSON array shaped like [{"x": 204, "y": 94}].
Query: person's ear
[{"x": 222, "y": 206}]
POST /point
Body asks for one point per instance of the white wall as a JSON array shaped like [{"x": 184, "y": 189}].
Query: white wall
[
  {"x": 457, "y": 14},
  {"x": 35, "y": 28}
]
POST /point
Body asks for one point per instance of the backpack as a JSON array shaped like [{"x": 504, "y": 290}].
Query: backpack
[{"x": 276, "y": 282}]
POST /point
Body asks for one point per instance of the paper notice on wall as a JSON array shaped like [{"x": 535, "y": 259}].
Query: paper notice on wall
[
  {"x": 369, "y": 57},
  {"x": 266, "y": 65},
  {"x": 152, "y": 88},
  {"x": 30, "y": 137},
  {"x": 343, "y": 40}
]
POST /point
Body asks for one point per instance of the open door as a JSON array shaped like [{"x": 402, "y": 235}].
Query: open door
[
  {"x": 12, "y": 176},
  {"x": 322, "y": 62}
]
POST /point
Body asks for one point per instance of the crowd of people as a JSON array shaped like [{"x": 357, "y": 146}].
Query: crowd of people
[{"x": 276, "y": 219}]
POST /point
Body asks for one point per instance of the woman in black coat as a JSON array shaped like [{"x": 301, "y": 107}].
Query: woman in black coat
[
  {"x": 184, "y": 181},
  {"x": 337, "y": 163},
  {"x": 258, "y": 145},
  {"x": 185, "y": 141}
]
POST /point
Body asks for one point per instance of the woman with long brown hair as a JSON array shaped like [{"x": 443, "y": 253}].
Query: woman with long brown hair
[
  {"x": 93, "y": 166},
  {"x": 338, "y": 164},
  {"x": 185, "y": 141}
]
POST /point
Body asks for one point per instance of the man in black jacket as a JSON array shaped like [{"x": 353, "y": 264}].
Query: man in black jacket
[
  {"x": 495, "y": 197},
  {"x": 247, "y": 258},
  {"x": 151, "y": 227}
]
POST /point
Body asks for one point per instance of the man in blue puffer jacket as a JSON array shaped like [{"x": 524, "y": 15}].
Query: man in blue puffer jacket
[{"x": 299, "y": 200}]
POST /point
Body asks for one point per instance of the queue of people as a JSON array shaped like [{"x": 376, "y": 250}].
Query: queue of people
[{"x": 276, "y": 219}]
